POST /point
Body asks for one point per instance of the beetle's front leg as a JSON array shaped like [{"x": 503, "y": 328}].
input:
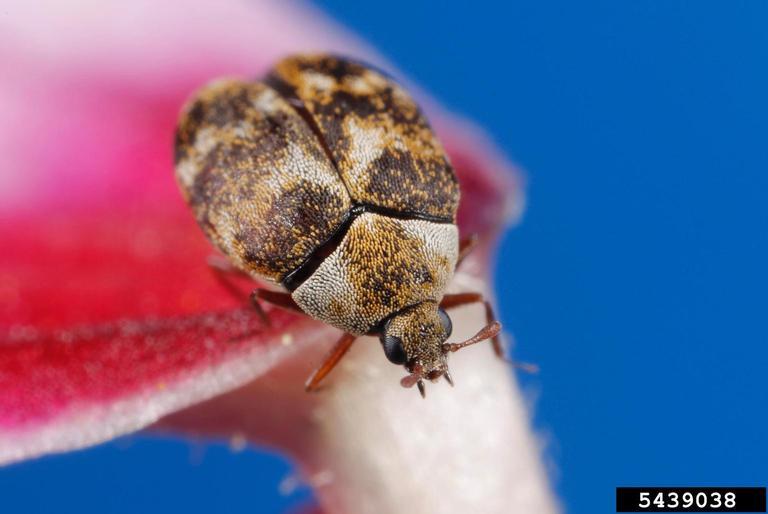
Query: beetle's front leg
[
  {"x": 284, "y": 301},
  {"x": 331, "y": 359}
]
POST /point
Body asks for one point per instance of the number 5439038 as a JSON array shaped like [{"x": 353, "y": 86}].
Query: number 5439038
[{"x": 699, "y": 500}]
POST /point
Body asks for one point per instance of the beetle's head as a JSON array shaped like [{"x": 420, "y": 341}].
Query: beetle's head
[{"x": 415, "y": 338}]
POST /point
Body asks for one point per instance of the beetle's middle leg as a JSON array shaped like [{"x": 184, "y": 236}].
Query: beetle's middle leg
[
  {"x": 276, "y": 298},
  {"x": 451, "y": 301},
  {"x": 223, "y": 270}
]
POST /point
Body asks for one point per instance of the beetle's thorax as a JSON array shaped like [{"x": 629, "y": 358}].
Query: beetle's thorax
[{"x": 381, "y": 266}]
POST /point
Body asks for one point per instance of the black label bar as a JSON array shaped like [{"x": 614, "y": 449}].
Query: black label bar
[{"x": 690, "y": 499}]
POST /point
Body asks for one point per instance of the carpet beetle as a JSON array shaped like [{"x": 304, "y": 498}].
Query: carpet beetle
[{"x": 326, "y": 179}]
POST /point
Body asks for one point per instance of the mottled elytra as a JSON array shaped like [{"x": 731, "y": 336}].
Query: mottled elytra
[{"x": 326, "y": 179}]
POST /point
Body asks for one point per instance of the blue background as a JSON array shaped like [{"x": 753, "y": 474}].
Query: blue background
[{"x": 636, "y": 280}]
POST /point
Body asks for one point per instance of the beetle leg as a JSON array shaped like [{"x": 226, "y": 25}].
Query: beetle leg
[
  {"x": 282, "y": 300},
  {"x": 222, "y": 264},
  {"x": 277, "y": 298},
  {"x": 224, "y": 271},
  {"x": 466, "y": 246},
  {"x": 331, "y": 359},
  {"x": 451, "y": 301}
]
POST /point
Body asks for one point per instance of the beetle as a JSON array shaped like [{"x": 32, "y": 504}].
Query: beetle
[{"x": 325, "y": 179}]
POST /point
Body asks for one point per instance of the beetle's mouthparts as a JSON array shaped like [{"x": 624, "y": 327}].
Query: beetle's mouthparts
[
  {"x": 487, "y": 332},
  {"x": 417, "y": 373},
  {"x": 415, "y": 378}
]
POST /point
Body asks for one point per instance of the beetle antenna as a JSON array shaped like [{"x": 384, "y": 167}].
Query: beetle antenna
[{"x": 486, "y": 332}]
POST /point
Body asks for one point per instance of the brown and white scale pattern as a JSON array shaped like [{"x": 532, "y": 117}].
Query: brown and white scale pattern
[
  {"x": 323, "y": 147},
  {"x": 378, "y": 137}
]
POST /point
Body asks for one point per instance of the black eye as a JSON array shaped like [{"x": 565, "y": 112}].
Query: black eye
[
  {"x": 446, "y": 322},
  {"x": 393, "y": 349}
]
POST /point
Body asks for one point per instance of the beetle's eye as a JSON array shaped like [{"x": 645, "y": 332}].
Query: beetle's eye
[
  {"x": 393, "y": 349},
  {"x": 446, "y": 322}
]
